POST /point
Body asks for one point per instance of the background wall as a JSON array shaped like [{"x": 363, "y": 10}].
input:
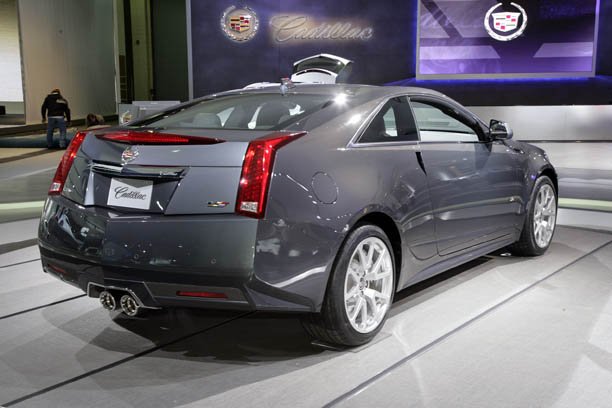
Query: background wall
[
  {"x": 508, "y": 92},
  {"x": 221, "y": 64},
  {"x": 389, "y": 57},
  {"x": 604, "y": 56},
  {"x": 142, "y": 51},
  {"x": 68, "y": 44},
  {"x": 168, "y": 24},
  {"x": 11, "y": 88}
]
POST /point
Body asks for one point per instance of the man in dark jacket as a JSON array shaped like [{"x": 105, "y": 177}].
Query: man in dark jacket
[{"x": 55, "y": 109}]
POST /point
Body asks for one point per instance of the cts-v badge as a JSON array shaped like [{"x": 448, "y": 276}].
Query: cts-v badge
[
  {"x": 129, "y": 154},
  {"x": 218, "y": 204}
]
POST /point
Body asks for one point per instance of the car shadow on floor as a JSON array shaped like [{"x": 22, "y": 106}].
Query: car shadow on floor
[
  {"x": 206, "y": 353},
  {"x": 230, "y": 336},
  {"x": 243, "y": 351},
  {"x": 255, "y": 348},
  {"x": 257, "y": 336}
]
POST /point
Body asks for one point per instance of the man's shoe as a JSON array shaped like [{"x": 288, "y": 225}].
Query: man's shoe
[{"x": 62, "y": 145}]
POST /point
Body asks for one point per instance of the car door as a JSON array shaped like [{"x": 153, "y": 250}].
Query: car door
[
  {"x": 474, "y": 182},
  {"x": 391, "y": 137}
]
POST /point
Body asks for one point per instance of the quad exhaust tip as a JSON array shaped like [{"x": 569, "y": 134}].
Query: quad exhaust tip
[
  {"x": 114, "y": 298},
  {"x": 129, "y": 305},
  {"x": 107, "y": 300}
]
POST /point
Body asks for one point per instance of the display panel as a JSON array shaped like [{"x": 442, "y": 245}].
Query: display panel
[{"x": 493, "y": 39}]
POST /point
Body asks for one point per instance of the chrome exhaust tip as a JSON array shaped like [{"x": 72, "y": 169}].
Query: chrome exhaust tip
[
  {"x": 107, "y": 300},
  {"x": 129, "y": 305}
]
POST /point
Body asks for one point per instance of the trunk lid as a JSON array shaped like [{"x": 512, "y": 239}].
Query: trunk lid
[{"x": 166, "y": 179}]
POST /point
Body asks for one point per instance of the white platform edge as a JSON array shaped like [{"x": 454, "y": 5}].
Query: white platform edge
[{"x": 596, "y": 220}]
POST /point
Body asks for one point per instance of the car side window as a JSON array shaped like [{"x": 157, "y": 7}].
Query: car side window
[
  {"x": 394, "y": 123},
  {"x": 437, "y": 125}
]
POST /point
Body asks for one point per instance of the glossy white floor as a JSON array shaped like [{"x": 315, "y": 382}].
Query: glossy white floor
[{"x": 498, "y": 332}]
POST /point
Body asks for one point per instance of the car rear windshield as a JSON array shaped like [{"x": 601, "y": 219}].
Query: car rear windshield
[{"x": 242, "y": 112}]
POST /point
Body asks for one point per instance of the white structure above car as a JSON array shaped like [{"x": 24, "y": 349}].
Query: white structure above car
[{"x": 316, "y": 69}]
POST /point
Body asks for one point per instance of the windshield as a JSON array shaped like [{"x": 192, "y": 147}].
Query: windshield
[{"x": 242, "y": 112}]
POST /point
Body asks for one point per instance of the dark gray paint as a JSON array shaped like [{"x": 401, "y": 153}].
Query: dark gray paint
[{"x": 451, "y": 211}]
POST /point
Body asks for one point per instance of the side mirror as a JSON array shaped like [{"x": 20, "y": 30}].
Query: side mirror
[{"x": 500, "y": 130}]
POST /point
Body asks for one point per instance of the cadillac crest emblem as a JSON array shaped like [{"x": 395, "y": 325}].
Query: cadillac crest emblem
[
  {"x": 129, "y": 154},
  {"x": 506, "y": 25},
  {"x": 239, "y": 24}
]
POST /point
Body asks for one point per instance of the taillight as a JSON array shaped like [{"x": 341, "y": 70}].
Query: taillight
[
  {"x": 155, "y": 138},
  {"x": 257, "y": 171},
  {"x": 57, "y": 185}
]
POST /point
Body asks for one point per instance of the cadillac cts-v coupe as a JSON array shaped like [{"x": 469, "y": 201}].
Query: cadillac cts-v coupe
[{"x": 319, "y": 199}]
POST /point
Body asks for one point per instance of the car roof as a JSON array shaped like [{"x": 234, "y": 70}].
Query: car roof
[{"x": 359, "y": 92}]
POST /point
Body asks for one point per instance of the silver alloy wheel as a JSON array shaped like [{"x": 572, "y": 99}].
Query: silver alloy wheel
[
  {"x": 368, "y": 285},
  {"x": 544, "y": 215}
]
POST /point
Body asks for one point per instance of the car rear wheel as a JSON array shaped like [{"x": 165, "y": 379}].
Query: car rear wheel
[
  {"x": 540, "y": 221},
  {"x": 360, "y": 290}
]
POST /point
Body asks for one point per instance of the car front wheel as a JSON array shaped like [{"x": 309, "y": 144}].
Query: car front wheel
[
  {"x": 360, "y": 291},
  {"x": 540, "y": 221}
]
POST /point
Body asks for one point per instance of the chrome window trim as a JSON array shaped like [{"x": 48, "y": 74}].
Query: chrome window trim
[
  {"x": 383, "y": 144},
  {"x": 452, "y": 142},
  {"x": 353, "y": 143},
  {"x": 459, "y": 109}
]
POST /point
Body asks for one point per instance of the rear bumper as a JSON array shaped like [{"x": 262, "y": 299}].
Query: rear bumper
[
  {"x": 155, "y": 257},
  {"x": 152, "y": 292}
]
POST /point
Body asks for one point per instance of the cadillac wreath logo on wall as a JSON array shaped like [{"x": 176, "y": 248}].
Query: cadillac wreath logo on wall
[
  {"x": 506, "y": 25},
  {"x": 239, "y": 23}
]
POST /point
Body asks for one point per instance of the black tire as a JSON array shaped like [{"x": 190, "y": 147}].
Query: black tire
[
  {"x": 332, "y": 325},
  {"x": 527, "y": 245}
]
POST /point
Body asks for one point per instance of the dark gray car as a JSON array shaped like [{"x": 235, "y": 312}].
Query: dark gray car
[{"x": 320, "y": 199}]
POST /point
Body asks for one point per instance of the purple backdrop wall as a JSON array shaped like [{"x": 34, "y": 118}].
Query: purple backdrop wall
[{"x": 220, "y": 64}]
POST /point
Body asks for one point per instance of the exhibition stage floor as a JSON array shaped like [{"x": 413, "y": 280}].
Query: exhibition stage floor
[{"x": 499, "y": 331}]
